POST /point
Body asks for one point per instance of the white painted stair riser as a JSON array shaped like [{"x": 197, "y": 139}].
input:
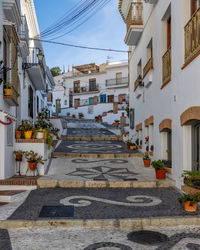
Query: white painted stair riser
[{"x": 17, "y": 187}]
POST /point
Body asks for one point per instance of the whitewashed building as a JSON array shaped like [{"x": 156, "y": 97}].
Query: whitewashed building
[
  {"x": 93, "y": 90},
  {"x": 23, "y": 67},
  {"x": 164, "y": 43}
]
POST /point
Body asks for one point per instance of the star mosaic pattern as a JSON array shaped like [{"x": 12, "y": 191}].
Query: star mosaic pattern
[{"x": 104, "y": 173}]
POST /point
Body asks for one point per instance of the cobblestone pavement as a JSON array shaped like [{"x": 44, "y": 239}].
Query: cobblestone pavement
[
  {"x": 100, "y": 147},
  {"x": 129, "y": 169},
  {"x": 178, "y": 238},
  {"x": 82, "y": 131},
  {"x": 101, "y": 204}
]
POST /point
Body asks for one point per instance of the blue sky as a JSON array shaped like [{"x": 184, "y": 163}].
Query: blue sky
[{"x": 105, "y": 29}]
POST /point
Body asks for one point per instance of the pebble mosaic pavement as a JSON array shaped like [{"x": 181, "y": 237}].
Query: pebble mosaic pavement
[{"x": 179, "y": 238}]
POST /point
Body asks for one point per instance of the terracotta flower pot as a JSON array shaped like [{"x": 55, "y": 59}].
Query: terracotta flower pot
[
  {"x": 18, "y": 157},
  {"x": 147, "y": 163},
  {"x": 116, "y": 124},
  {"x": 28, "y": 134},
  {"x": 132, "y": 147},
  {"x": 189, "y": 208},
  {"x": 7, "y": 92},
  {"x": 32, "y": 166},
  {"x": 160, "y": 174},
  {"x": 18, "y": 134},
  {"x": 45, "y": 133}
]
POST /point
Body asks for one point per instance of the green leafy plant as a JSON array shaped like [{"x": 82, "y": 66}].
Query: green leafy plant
[
  {"x": 49, "y": 141},
  {"x": 192, "y": 178},
  {"x": 146, "y": 157},
  {"x": 158, "y": 165},
  {"x": 27, "y": 125},
  {"x": 43, "y": 120},
  {"x": 31, "y": 156},
  {"x": 193, "y": 198},
  {"x": 131, "y": 143},
  {"x": 7, "y": 85},
  {"x": 19, "y": 152},
  {"x": 117, "y": 121}
]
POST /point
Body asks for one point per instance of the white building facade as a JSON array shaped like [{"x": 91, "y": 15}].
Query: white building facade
[
  {"x": 23, "y": 68},
  {"x": 93, "y": 90},
  {"x": 164, "y": 44}
]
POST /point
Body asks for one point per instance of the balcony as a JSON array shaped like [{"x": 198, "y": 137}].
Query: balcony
[
  {"x": 12, "y": 12},
  {"x": 23, "y": 32},
  {"x": 12, "y": 97},
  {"x": 134, "y": 24},
  {"x": 84, "y": 90},
  {"x": 166, "y": 68},
  {"x": 35, "y": 69},
  {"x": 117, "y": 82},
  {"x": 148, "y": 67},
  {"x": 192, "y": 38}
]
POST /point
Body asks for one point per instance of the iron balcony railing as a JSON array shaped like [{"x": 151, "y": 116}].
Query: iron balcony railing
[
  {"x": 166, "y": 67},
  {"x": 192, "y": 37},
  {"x": 117, "y": 81},
  {"x": 135, "y": 14},
  {"x": 23, "y": 30},
  {"x": 84, "y": 89}
]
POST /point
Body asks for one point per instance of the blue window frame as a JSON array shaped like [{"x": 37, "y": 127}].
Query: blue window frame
[{"x": 102, "y": 98}]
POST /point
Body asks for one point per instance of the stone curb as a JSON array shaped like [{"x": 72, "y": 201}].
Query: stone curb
[
  {"x": 104, "y": 156},
  {"x": 41, "y": 183},
  {"x": 92, "y": 138},
  {"x": 128, "y": 223}
]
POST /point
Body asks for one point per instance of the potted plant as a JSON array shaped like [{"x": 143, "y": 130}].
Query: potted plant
[
  {"x": 100, "y": 118},
  {"x": 18, "y": 155},
  {"x": 128, "y": 144},
  {"x": 192, "y": 178},
  {"x": 132, "y": 145},
  {"x": 7, "y": 88},
  {"x": 116, "y": 123},
  {"x": 33, "y": 159},
  {"x": 159, "y": 168},
  {"x": 190, "y": 201},
  {"x": 18, "y": 132},
  {"x": 80, "y": 115},
  {"x": 147, "y": 160},
  {"x": 73, "y": 116},
  {"x": 49, "y": 141},
  {"x": 27, "y": 127}
]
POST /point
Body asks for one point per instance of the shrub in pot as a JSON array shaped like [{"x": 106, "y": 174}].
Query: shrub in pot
[
  {"x": 80, "y": 115},
  {"x": 99, "y": 117},
  {"x": 18, "y": 155},
  {"x": 96, "y": 118},
  {"x": 147, "y": 160},
  {"x": 132, "y": 146},
  {"x": 33, "y": 159},
  {"x": 27, "y": 127},
  {"x": 7, "y": 89},
  {"x": 116, "y": 123},
  {"x": 190, "y": 201},
  {"x": 159, "y": 168},
  {"x": 18, "y": 132},
  {"x": 73, "y": 116}
]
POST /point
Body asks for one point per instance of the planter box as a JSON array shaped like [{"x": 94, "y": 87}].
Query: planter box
[
  {"x": 37, "y": 145},
  {"x": 190, "y": 190},
  {"x": 169, "y": 170}
]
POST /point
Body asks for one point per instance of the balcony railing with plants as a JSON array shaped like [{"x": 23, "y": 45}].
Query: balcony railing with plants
[
  {"x": 192, "y": 37},
  {"x": 117, "y": 81},
  {"x": 135, "y": 14},
  {"x": 166, "y": 67},
  {"x": 85, "y": 89},
  {"x": 10, "y": 94},
  {"x": 33, "y": 59},
  {"x": 148, "y": 67}
]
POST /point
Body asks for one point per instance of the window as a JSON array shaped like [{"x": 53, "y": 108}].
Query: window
[
  {"x": 30, "y": 101},
  {"x": 92, "y": 84},
  {"x": 91, "y": 100},
  {"x": 111, "y": 98},
  {"x": 76, "y": 86},
  {"x": 102, "y": 98},
  {"x": 65, "y": 102}
]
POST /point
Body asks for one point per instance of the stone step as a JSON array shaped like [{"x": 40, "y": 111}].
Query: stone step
[
  {"x": 52, "y": 183},
  {"x": 102, "y": 156},
  {"x": 9, "y": 195},
  {"x": 17, "y": 187},
  {"x": 19, "y": 181},
  {"x": 91, "y": 138},
  {"x": 131, "y": 224}
]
